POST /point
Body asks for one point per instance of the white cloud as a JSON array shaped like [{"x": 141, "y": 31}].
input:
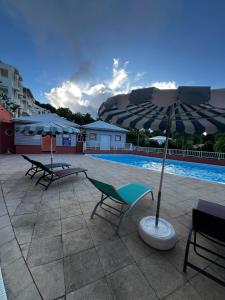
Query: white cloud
[
  {"x": 80, "y": 98},
  {"x": 85, "y": 98},
  {"x": 164, "y": 85},
  {"x": 119, "y": 76},
  {"x": 139, "y": 76}
]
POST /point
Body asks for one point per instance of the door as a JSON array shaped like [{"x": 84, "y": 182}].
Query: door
[
  {"x": 105, "y": 142},
  {"x": 6, "y": 138},
  {"x": 46, "y": 143}
]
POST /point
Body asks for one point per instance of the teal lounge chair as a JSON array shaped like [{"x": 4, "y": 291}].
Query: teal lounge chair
[{"x": 126, "y": 196}]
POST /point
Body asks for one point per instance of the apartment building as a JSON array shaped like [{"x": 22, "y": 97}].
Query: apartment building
[{"x": 16, "y": 98}]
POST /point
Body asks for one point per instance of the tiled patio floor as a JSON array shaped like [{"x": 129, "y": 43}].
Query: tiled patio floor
[{"x": 50, "y": 249}]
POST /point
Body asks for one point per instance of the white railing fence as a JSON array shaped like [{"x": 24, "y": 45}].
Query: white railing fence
[
  {"x": 127, "y": 147},
  {"x": 194, "y": 153}
]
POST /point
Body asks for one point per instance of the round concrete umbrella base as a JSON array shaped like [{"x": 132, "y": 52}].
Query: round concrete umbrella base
[{"x": 162, "y": 237}]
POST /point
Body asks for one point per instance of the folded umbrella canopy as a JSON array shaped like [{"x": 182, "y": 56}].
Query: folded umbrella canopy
[
  {"x": 186, "y": 109},
  {"x": 48, "y": 128},
  {"x": 159, "y": 139}
]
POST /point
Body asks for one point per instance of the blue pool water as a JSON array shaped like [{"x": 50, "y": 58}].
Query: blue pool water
[{"x": 195, "y": 170}]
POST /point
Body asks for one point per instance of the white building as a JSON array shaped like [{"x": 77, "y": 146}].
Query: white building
[
  {"x": 104, "y": 136},
  {"x": 17, "y": 99}
]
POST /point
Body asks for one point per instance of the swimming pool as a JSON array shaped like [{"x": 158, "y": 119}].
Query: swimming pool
[{"x": 195, "y": 170}]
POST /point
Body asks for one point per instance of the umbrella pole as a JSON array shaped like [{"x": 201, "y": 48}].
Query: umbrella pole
[
  {"x": 161, "y": 177},
  {"x": 51, "y": 153}
]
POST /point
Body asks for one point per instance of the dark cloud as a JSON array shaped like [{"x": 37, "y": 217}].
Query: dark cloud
[
  {"x": 87, "y": 26},
  {"x": 83, "y": 72}
]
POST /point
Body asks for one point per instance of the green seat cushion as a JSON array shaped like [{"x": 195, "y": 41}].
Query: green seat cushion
[{"x": 131, "y": 192}]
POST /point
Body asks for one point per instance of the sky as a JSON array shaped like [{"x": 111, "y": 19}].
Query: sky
[{"x": 77, "y": 53}]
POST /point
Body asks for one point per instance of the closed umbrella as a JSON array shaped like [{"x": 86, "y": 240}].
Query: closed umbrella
[
  {"x": 48, "y": 128},
  {"x": 186, "y": 109},
  {"x": 159, "y": 139}
]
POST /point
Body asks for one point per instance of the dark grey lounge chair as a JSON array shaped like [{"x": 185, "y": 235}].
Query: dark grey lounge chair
[
  {"x": 208, "y": 221},
  {"x": 35, "y": 169},
  {"x": 50, "y": 175}
]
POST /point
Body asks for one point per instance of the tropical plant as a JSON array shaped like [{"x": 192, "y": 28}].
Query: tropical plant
[{"x": 219, "y": 145}]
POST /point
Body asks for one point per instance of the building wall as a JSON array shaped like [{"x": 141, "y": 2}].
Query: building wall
[
  {"x": 36, "y": 140},
  {"x": 11, "y": 85},
  {"x": 32, "y": 144},
  {"x": 59, "y": 140},
  {"x": 27, "y": 149},
  {"x": 113, "y": 142},
  {"x": 5, "y": 116},
  {"x": 28, "y": 140}
]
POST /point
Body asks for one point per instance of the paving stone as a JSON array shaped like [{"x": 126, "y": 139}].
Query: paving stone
[
  {"x": 44, "y": 250},
  {"x": 4, "y": 221},
  {"x": 137, "y": 248},
  {"x": 50, "y": 279},
  {"x": 69, "y": 196},
  {"x": 87, "y": 207},
  {"x": 24, "y": 220},
  {"x": 12, "y": 208},
  {"x": 29, "y": 293},
  {"x": 49, "y": 203},
  {"x": 161, "y": 275},
  {"x": 95, "y": 291},
  {"x": 207, "y": 288},
  {"x": 68, "y": 202},
  {"x": 24, "y": 234},
  {"x": 6, "y": 235},
  {"x": 14, "y": 196},
  {"x": 129, "y": 283},
  {"x": 26, "y": 208},
  {"x": 50, "y": 194},
  {"x": 47, "y": 229},
  {"x": 113, "y": 256},
  {"x": 76, "y": 241},
  {"x": 128, "y": 226},
  {"x": 48, "y": 215},
  {"x": 3, "y": 210},
  {"x": 81, "y": 269},
  {"x": 70, "y": 211},
  {"x": 9, "y": 252},
  {"x": 31, "y": 199},
  {"x": 102, "y": 233},
  {"x": 16, "y": 278},
  {"x": 186, "y": 292},
  {"x": 25, "y": 249},
  {"x": 73, "y": 223}
]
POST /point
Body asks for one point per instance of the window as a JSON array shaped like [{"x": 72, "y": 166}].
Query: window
[
  {"x": 92, "y": 136},
  {"x": 4, "y": 72},
  {"x": 81, "y": 137},
  {"x": 118, "y": 138}
]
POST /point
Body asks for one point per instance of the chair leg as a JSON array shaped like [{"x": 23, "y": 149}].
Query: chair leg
[
  {"x": 96, "y": 206},
  {"x": 47, "y": 186},
  {"x": 35, "y": 171},
  {"x": 28, "y": 171},
  {"x": 119, "y": 224},
  {"x": 187, "y": 251},
  {"x": 152, "y": 195},
  {"x": 39, "y": 179}
]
